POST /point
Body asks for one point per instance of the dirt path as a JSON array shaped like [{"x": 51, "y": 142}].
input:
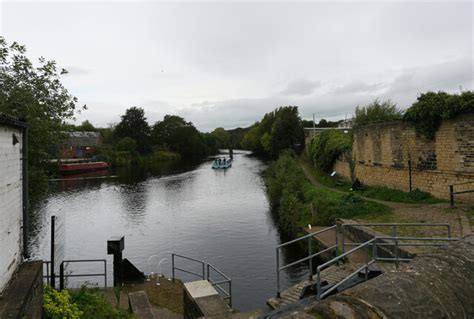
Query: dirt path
[{"x": 414, "y": 212}]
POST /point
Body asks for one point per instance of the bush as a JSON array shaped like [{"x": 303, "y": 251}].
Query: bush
[
  {"x": 58, "y": 305},
  {"x": 291, "y": 196},
  {"x": 432, "y": 108},
  {"x": 93, "y": 304},
  {"x": 376, "y": 112},
  {"x": 325, "y": 148}
]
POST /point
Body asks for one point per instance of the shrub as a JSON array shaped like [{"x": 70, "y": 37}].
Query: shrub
[
  {"x": 127, "y": 144},
  {"x": 432, "y": 108},
  {"x": 59, "y": 305},
  {"x": 376, "y": 112},
  {"x": 327, "y": 147},
  {"x": 93, "y": 304}
]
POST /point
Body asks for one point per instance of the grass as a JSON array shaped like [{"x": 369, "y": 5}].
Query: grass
[
  {"x": 169, "y": 294},
  {"x": 470, "y": 216},
  {"x": 375, "y": 192}
]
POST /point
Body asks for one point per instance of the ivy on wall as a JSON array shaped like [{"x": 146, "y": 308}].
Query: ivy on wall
[{"x": 431, "y": 108}]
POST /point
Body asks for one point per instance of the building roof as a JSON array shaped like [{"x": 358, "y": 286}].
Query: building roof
[
  {"x": 81, "y": 139},
  {"x": 9, "y": 120}
]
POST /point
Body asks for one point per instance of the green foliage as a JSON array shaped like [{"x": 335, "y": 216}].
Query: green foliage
[
  {"x": 377, "y": 111},
  {"x": 93, "y": 304},
  {"x": 175, "y": 134},
  {"x": 321, "y": 123},
  {"x": 431, "y": 108},
  {"x": 127, "y": 144},
  {"x": 278, "y": 131},
  {"x": 395, "y": 195},
  {"x": 83, "y": 304},
  {"x": 133, "y": 124},
  {"x": 35, "y": 94},
  {"x": 291, "y": 196},
  {"x": 222, "y": 137},
  {"x": 326, "y": 147},
  {"x": 59, "y": 305}
]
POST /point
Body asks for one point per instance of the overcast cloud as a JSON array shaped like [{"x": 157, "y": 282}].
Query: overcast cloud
[{"x": 226, "y": 64}]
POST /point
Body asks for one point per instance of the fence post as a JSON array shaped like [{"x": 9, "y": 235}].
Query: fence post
[
  {"x": 374, "y": 250},
  {"x": 449, "y": 231},
  {"x": 61, "y": 276},
  {"x": 366, "y": 262},
  {"x": 343, "y": 241},
  {"x": 311, "y": 259},
  {"x": 230, "y": 293},
  {"x": 204, "y": 271},
  {"x": 172, "y": 266},
  {"x": 318, "y": 284},
  {"x": 409, "y": 176},
  {"x": 278, "y": 271},
  {"x": 53, "y": 275},
  {"x": 208, "y": 277},
  {"x": 337, "y": 242},
  {"x": 451, "y": 195}
]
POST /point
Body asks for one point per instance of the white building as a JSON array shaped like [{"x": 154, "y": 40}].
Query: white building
[{"x": 13, "y": 196}]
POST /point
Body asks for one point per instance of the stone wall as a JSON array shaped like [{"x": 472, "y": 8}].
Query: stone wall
[
  {"x": 10, "y": 202},
  {"x": 24, "y": 296},
  {"x": 384, "y": 152}
]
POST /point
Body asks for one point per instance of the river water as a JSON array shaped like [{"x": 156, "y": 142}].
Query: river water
[{"x": 220, "y": 216}]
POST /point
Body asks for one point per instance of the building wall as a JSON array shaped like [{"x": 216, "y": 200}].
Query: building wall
[
  {"x": 383, "y": 152},
  {"x": 10, "y": 203}
]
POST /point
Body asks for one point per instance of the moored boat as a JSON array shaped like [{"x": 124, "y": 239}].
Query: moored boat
[{"x": 72, "y": 168}]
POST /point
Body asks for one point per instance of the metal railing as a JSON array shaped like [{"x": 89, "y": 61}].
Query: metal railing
[
  {"x": 393, "y": 226},
  {"x": 310, "y": 256},
  {"x": 452, "y": 192},
  {"x": 365, "y": 267},
  {"x": 372, "y": 245},
  {"x": 205, "y": 275},
  {"x": 63, "y": 275},
  {"x": 217, "y": 284}
]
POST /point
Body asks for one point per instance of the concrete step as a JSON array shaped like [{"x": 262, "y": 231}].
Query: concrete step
[{"x": 140, "y": 305}]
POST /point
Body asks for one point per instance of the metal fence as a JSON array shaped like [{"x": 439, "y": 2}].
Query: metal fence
[
  {"x": 310, "y": 256},
  {"x": 371, "y": 257},
  {"x": 63, "y": 275},
  {"x": 395, "y": 229},
  {"x": 206, "y": 274},
  {"x": 452, "y": 192}
]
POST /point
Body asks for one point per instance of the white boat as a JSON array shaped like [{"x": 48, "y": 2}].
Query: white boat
[{"x": 221, "y": 163}]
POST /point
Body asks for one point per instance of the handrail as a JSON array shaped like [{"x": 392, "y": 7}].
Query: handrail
[
  {"x": 217, "y": 284},
  {"x": 173, "y": 267},
  {"x": 205, "y": 275},
  {"x": 452, "y": 192},
  {"x": 374, "y": 242},
  {"x": 62, "y": 275},
  {"x": 336, "y": 259},
  {"x": 394, "y": 227},
  {"x": 310, "y": 255}
]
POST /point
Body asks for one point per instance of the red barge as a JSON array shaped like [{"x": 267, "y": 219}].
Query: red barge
[{"x": 73, "y": 168}]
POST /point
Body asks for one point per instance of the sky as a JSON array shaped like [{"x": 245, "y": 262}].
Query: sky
[{"x": 226, "y": 64}]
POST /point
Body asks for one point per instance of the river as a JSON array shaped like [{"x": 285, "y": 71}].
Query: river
[{"x": 220, "y": 216}]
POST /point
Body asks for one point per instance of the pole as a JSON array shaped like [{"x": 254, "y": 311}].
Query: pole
[
  {"x": 451, "y": 195},
  {"x": 310, "y": 260},
  {"x": 278, "y": 271},
  {"x": 172, "y": 266},
  {"x": 61, "y": 276},
  {"x": 53, "y": 276},
  {"x": 409, "y": 176},
  {"x": 24, "y": 153}
]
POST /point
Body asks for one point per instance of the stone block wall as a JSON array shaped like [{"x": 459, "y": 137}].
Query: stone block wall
[
  {"x": 10, "y": 202},
  {"x": 384, "y": 152}
]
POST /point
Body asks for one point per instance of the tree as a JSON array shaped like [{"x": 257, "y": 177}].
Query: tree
[
  {"x": 35, "y": 94},
  {"x": 175, "y": 134},
  {"x": 134, "y": 124},
  {"x": 86, "y": 126},
  {"x": 127, "y": 144},
  {"x": 377, "y": 111},
  {"x": 287, "y": 131},
  {"x": 222, "y": 137}
]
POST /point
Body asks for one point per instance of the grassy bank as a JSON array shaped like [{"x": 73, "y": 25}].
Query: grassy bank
[
  {"x": 375, "y": 192},
  {"x": 298, "y": 203}
]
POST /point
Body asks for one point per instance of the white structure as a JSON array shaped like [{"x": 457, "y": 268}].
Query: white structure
[{"x": 13, "y": 197}]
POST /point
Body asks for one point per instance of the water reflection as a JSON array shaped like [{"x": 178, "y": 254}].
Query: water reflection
[{"x": 221, "y": 216}]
